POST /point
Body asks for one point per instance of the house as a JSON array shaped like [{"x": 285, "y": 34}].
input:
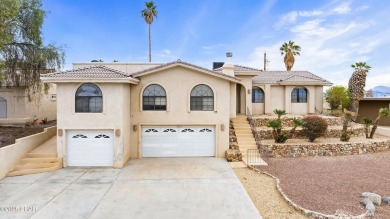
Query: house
[
  {"x": 111, "y": 112},
  {"x": 369, "y": 107},
  {"x": 16, "y": 109}
]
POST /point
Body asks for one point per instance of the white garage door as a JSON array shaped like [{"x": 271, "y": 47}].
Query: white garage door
[
  {"x": 90, "y": 148},
  {"x": 171, "y": 141}
]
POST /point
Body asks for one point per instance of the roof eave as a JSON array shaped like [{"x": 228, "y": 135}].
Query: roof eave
[
  {"x": 94, "y": 80},
  {"x": 246, "y": 73},
  {"x": 233, "y": 79},
  {"x": 323, "y": 83}
]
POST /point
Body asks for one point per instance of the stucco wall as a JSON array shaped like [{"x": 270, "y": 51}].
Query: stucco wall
[
  {"x": 44, "y": 107},
  {"x": 178, "y": 83},
  {"x": 20, "y": 110},
  {"x": 115, "y": 101},
  {"x": 370, "y": 109},
  {"x": 277, "y": 97},
  {"x": 12, "y": 154}
]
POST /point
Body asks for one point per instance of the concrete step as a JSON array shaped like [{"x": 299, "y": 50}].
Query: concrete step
[
  {"x": 35, "y": 165},
  {"x": 244, "y": 135},
  {"x": 246, "y": 142},
  {"x": 40, "y": 160},
  {"x": 236, "y": 126},
  {"x": 34, "y": 170},
  {"x": 243, "y": 131},
  {"x": 36, "y": 155},
  {"x": 242, "y": 128}
]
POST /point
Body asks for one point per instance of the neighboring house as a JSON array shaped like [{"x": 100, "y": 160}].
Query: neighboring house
[
  {"x": 17, "y": 110},
  {"x": 111, "y": 112},
  {"x": 369, "y": 108}
]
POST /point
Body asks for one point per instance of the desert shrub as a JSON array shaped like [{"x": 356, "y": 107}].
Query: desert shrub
[
  {"x": 337, "y": 96},
  {"x": 314, "y": 127}
]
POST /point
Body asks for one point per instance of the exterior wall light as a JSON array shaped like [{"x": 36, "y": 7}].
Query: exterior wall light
[
  {"x": 117, "y": 132},
  {"x": 135, "y": 128},
  {"x": 222, "y": 127},
  {"x": 60, "y": 132}
]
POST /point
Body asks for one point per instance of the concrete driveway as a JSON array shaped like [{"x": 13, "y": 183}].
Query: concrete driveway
[{"x": 145, "y": 188}]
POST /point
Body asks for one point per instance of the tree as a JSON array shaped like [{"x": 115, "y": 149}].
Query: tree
[
  {"x": 149, "y": 13},
  {"x": 337, "y": 96},
  {"x": 23, "y": 56},
  {"x": 367, "y": 123},
  {"x": 356, "y": 85},
  {"x": 383, "y": 112},
  {"x": 289, "y": 50}
]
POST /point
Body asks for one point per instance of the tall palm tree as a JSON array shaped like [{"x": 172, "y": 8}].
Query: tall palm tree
[
  {"x": 149, "y": 13},
  {"x": 289, "y": 50},
  {"x": 356, "y": 85}
]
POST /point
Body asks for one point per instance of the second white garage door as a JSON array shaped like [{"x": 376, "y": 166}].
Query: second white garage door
[
  {"x": 90, "y": 148},
  {"x": 171, "y": 141}
]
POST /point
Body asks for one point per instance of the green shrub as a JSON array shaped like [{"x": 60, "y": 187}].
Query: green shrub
[{"x": 314, "y": 127}]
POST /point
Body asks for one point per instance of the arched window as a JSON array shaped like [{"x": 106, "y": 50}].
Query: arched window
[
  {"x": 3, "y": 108},
  {"x": 299, "y": 95},
  {"x": 89, "y": 99},
  {"x": 154, "y": 98},
  {"x": 202, "y": 98},
  {"x": 257, "y": 95}
]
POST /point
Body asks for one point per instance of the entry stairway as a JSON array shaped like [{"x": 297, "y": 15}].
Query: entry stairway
[
  {"x": 245, "y": 139},
  {"x": 42, "y": 159}
]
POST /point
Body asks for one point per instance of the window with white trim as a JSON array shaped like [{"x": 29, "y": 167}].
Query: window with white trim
[
  {"x": 154, "y": 97},
  {"x": 202, "y": 98},
  {"x": 89, "y": 99}
]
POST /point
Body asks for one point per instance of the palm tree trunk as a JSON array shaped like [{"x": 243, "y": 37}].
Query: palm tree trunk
[
  {"x": 150, "y": 46},
  {"x": 374, "y": 127},
  {"x": 354, "y": 107}
]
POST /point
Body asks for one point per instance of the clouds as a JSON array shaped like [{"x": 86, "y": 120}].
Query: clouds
[
  {"x": 291, "y": 17},
  {"x": 332, "y": 37}
]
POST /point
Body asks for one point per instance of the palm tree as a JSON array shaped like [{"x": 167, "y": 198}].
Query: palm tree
[
  {"x": 383, "y": 112},
  {"x": 289, "y": 50},
  {"x": 297, "y": 122},
  {"x": 149, "y": 13},
  {"x": 356, "y": 85}
]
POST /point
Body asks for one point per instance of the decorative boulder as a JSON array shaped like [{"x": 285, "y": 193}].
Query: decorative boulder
[
  {"x": 375, "y": 198},
  {"x": 368, "y": 204},
  {"x": 386, "y": 200},
  {"x": 233, "y": 155}
]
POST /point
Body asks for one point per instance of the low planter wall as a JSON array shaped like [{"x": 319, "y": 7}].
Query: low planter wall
[
  {"x": 288, "y": 121},
  {"x": 330, "y": 149},
  {"x": 12, "y": 154},
  {"x": 330, "y": 133}
]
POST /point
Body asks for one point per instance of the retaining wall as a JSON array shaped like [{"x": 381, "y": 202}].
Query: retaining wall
[
  {"x": 12, "y": 154},
  {"x": 330, "y": 149}
]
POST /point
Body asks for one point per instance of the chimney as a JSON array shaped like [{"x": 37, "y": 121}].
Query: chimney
[{"x": 228, "y": 67}]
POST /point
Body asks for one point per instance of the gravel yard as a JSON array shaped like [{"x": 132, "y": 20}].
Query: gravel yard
[
  {"x": 328, "y": 184},
  {"x": 262, "y": 190}
]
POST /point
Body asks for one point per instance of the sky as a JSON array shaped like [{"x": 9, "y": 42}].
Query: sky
[{"x": 333, "y": 34}]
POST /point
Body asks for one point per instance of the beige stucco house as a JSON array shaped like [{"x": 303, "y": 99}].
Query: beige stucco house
[
  {"x": 109, "y": 113},
  {"x": 16, "y": 109}
]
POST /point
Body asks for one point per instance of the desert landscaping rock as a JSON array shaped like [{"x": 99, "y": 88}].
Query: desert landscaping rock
[
  {"x": 262, "y": 190},
  {"x": 386, "y": 200},
  {"x": 375, "y": 198},
  {"x": 329, "y": 184},
  {"x": 233, "y": 155}
]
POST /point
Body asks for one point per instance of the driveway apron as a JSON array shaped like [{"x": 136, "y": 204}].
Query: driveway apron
[{"x": 144, "y": 188}]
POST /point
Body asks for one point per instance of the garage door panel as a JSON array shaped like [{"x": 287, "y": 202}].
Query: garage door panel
[
  {"x": 90, "y": 148},
  {"x": 171, "y": 141}
]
